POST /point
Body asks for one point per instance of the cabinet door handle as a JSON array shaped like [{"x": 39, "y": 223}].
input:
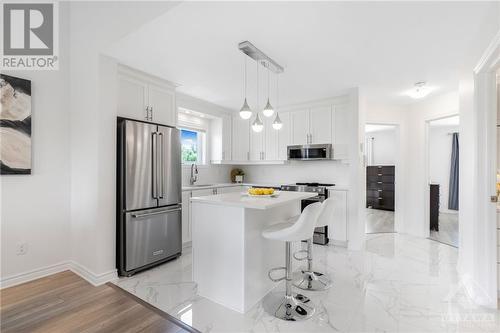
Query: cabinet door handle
[
  {"x": 151, "y": 118},
  {"x": 147, "y": 112}
]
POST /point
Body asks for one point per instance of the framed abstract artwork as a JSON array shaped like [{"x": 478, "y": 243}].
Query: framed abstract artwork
[{"x": 15, "y": 126}]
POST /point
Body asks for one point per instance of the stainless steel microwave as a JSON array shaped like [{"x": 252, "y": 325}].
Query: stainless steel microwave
[{"x": 310, "y": 152}]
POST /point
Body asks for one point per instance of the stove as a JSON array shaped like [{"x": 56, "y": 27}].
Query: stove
[{"x": 320, "y": 234}]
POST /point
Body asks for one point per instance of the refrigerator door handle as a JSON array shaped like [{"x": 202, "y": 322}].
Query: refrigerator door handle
[
  {"x": 162, "y": 166},
  {"x": 154, "y": 164},
  {"x": 160, "y": 212}
]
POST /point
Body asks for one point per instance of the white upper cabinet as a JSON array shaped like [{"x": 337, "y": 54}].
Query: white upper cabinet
[
  {"x": 226, "y": 138},
  {"x": 284, "y": 136},
  {"x": 143, "y": 97},
  {"x": 241, "y": 139},
  {"x": 311, "y": 126},
  {"x": 341, "y": 129},
  {"x": 220, "y": 139},
  {"x": 320, "y": 124},
  {"x": 162, "y": 105},
  {"x": 270, "y": 140},
  {"x": 300, "y": 127},
  {"x": 132, "y": 98}
]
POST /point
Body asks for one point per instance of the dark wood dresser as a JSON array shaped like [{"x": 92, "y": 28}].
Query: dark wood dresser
[
  {"x": 434, "y": 206},
  {"x": 380, "y": 187}
]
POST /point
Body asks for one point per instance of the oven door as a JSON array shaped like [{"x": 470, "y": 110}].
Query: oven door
[
  {"x": 320, "y": 234},
  {"x": 309, "y": 201}
]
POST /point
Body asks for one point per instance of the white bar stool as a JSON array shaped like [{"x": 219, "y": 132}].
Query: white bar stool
[
  {"x": 309, "y": 279},
  {"x": 292, "y": 307}
]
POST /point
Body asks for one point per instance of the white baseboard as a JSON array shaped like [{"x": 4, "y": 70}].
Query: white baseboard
[
  {"x": 91, "y": 277},
  {"x": 80, "y": 270}
]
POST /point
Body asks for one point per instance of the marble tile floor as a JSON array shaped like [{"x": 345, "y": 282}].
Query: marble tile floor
[
  {"x": 448, "y": 229},
  {"x": 378, "y": 221},
  {"x": 398, "y": 284}
]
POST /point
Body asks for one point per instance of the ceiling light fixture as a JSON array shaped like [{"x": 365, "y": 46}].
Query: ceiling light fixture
[
  {"x": 420, "y": 90},
  {"x": 257, "y": 124},
  {"x": 268, "y": 109},
  {"x": 245, "y": 111},
  {"x": 277, "y": 124}
]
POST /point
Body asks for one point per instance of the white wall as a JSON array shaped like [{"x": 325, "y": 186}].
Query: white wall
[
  {"x": 35, "y": 209},
  {"x": 440, "y": 144},
  {"x": 417, "y": 182},
  {"x": 384, "y": 145}
]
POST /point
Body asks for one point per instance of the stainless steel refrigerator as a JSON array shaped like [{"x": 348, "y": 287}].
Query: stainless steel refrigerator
[{"x": 148, "y": 195}]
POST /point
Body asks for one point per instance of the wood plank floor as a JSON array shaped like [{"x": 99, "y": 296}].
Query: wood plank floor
[{"x": 64, "y": 302}]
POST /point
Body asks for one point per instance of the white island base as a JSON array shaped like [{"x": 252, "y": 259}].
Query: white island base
[{"x": 231, "y": 259}]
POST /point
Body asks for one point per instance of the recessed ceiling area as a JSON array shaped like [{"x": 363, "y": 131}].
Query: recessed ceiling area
[{"x": 324, "y": 47}]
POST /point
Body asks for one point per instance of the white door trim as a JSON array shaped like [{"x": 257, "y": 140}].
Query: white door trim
[
  {"x": 484, "y": 290},
  {"x": 427, "y": 224}
]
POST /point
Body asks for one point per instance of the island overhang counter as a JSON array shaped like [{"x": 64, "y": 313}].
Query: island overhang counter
[{"x": 231, "y": 259}]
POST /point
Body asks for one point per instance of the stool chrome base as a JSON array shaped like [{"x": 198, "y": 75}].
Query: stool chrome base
[
  {"x": 314, "y": 281},
  {"x": 291, "y": 308}
]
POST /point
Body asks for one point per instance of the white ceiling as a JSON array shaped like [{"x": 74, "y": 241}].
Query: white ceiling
[{"x": 325, "y": 47}]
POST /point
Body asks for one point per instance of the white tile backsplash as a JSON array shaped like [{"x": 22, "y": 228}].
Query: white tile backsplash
[{"x": 307, "y": 171}]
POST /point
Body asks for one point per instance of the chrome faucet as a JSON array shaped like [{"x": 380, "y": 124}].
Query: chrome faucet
[{"x": 194, "y": 174}]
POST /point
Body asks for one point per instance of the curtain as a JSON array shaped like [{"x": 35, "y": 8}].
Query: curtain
[{"x": 453, "y": 189}]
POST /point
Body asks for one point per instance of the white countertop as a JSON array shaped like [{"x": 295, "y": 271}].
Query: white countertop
[
  {"x": 209, "y": 186},
  {"x": 218, "y": 185},
  {"x": 236, "y": 199}
]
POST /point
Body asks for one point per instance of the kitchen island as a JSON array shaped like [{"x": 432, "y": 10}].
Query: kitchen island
[{"x": 231, "y": 259}]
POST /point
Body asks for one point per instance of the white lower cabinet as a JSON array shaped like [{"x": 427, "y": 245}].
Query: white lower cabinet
[
  {"x": 186, "y": 217},
  {"x": 337, "y": 230}
]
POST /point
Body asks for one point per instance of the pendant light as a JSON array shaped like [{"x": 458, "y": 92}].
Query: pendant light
[
  {"x": 268, "y": 109},
  {"x": 257, "y": 125},
  {"x": 277, "y": 124},
  {"x": 245, "y": 111}
]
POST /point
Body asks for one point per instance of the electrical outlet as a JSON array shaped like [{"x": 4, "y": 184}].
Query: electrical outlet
[{"x": 22, "y": 249}]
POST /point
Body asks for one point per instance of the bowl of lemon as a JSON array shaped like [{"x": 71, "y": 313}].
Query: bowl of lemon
[{"x": 262, "y": 192}]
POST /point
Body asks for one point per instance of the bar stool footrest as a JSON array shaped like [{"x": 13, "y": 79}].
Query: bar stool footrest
[
  {"x": 272, "y": 270},
  {"x": 305, "y": 252}
]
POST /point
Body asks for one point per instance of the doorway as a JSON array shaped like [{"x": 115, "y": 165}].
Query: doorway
[
  {"x": 443, "y": 179},
  {"x": 382, "y": 146}
]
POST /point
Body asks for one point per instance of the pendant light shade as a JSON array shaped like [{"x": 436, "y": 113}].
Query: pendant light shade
[
  {"x": 277, "y": 124},
  {"x": 257, "y": 124},
  {"x": 268, "y": 109},
  {"x": 245, "y": 111}
]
